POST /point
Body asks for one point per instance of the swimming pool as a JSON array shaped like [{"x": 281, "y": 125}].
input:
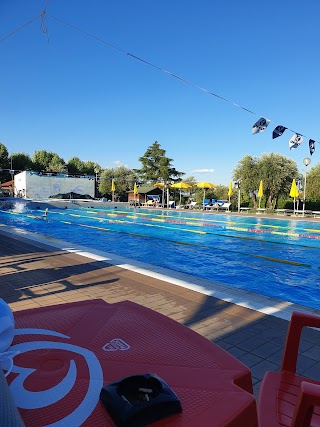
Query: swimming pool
[{"x": 274, "y": 257}]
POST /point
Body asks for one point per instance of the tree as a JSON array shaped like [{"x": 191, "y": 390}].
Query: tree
[
  {"x": 41, "y": 160},
  {"x": 248, "y": 172},
  {"x": 21, "y": 161},
  {"x": 124, "y": 179},
  {"x": 90, "y": 167},
  {"x": 4, "y": 163},
  {"x": 221, "y": 192},
  {"x": 156, "y": 166},
  {"x": 57, "y": 164},
  {"x": 276, "y": 172},
  {"x": 75, "y": 166},
  {"x": 313, "y": 184},
  {"x": 48, "y": 161},
  {"x": 4, "y": 157}
]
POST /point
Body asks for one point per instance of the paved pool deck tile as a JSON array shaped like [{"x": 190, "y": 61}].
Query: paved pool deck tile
[{"x": 34, "y": 273}]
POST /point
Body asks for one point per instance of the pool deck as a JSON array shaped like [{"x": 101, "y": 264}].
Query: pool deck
[{"x": 36, "y": 274}]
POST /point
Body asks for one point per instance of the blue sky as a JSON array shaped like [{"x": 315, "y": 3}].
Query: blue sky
[{"x": 78, "y": 97}]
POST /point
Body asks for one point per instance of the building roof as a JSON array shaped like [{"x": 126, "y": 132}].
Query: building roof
[
  {"x": 7, "y": 184},
  {"x": 145, "y": 189}
]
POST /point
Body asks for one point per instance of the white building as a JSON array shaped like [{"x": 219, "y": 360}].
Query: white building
[{"x": 39, "y": 186}]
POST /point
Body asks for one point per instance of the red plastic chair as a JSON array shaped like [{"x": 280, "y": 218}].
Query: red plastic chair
[{"x": 285, "y": 398}]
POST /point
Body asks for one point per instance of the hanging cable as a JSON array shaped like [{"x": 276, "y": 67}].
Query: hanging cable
[
  {"x": 20, "y": 28},
  {"x": 152, "y": 65}
]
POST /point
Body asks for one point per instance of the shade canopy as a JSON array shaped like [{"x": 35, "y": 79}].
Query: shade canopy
[
  {"x": 113, "y": 187},
  {"x": 230, "y": 191},
  {"x": 205, "y": 185},
  {"x": 182, "y": 185},
  {"x": 135, "y": 189}
]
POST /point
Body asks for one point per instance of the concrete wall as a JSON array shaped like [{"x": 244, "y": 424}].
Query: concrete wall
[{"x": 31, "y": 185}]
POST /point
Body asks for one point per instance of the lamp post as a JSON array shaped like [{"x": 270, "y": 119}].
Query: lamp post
[
  {"x": 96, "y": 171},
  {"x": 11, "y": 172},
  {"x": 238, "y": 185},
  {"x": 306, "y": 162},
  {"x": 168, "y": 194}
]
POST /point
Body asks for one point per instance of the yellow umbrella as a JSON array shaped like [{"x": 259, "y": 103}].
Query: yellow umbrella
[
  {"x": 205, "y": 185},
  {"x": 181, "y": 185},
  {"x": 260, "y": 192},
  {"x": 294, "y": 192},
  {"x": 113, "y": 188},
  {"x": 135, "y": 191},
  {"x": 230, "y": 190}
]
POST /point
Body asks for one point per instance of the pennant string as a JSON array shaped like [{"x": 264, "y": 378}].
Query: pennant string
[{"x": 44, "y": 29}]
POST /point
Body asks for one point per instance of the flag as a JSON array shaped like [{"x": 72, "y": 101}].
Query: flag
[
  {"x": 295, "y": 141},
  {"x": 113, "y": 187},
  {"x": 312, "y": 148},
  {"x": 278, "y": 131},
  {"x": 260, "y": 125}
]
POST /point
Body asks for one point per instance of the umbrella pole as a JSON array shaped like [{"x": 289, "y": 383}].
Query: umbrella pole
[
  {"x": 259, "y": 201},
  {"x": 204, "y": 196}
]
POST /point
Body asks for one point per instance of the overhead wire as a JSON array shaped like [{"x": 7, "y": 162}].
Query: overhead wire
[
  {"x": 20, "y": 28},
  {"x": 151, "y": 64},
  {"x": 44, "y": 29}
]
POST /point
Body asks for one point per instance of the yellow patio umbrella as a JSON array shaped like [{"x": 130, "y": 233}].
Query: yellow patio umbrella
[
  {"x": 113, "y": 189},
  {"x": 260, "y": 192},
  {"x": 230, "y": 190},
  {"x": 135, "y": 192},
  {"x": 294, "y": 192},
  {"x": 182, "y": 186},
  {"x": 205, "y": 185}
]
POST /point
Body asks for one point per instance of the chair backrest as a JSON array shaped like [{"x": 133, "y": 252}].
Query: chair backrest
[{"x": 285, "y": 397}]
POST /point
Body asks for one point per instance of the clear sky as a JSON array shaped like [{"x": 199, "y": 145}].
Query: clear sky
[{"x": 76, "y": 96}]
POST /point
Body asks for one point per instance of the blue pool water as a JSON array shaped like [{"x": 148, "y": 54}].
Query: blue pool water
[{"x": 273, "y": 257}]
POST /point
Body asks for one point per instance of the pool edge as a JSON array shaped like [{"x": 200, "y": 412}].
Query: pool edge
[{"x": 254, "y": 301}]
